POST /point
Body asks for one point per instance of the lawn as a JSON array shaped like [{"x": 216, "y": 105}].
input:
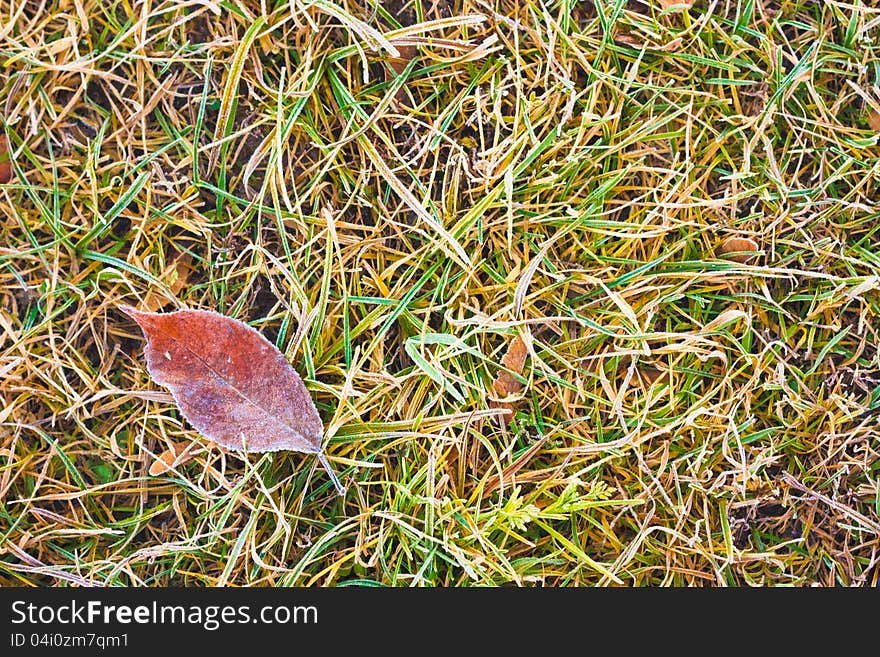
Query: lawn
[{"x": 585, "y": 293}]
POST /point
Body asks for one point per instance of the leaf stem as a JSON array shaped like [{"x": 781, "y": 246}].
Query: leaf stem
[{"x": 323, "y": 459}]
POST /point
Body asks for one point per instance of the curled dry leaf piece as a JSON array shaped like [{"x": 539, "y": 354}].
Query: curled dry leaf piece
[
  {"x": 739, "y": 249},
  {"x": 231, "y": 383},
  {"x": 169, "y": 459},
  {"x": 874, "y": 120},
  {"x": 5, "y": 163},
  {"x": 505, "y": 383},
  {"x": 177, "y": 275}
]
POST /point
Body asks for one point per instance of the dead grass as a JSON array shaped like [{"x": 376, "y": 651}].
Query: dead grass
[{"x": 391, "y": 193}]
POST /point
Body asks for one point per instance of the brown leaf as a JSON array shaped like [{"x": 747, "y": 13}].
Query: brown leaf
[
  {"x": 738, "y": 248},
  {"x": 177, "y": 275},
  {"x": 399, "y": 64},
  {"x": 231, "y": 383},
  {"x": 182, "y": 270},
  {"x": 168, "y": 459},
  {"x": 505, "y": 383},
  {"x": 874, "y": 120},
  {"x": 5, "y": 162},
  {"x": 407, "y": 53}
]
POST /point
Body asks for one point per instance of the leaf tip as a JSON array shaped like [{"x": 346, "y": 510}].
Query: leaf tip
[{"x": 137, "y": 315}]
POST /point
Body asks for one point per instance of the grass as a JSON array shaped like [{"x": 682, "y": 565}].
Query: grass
[{"x": 391, "y": 192}]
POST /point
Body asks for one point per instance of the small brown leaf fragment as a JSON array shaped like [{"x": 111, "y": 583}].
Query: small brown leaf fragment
[
  {"x": 407, "y": 54},
  {"x": 874, "y": 120},
  {"x": 167, "y": 459},
  {"x": 505, "y": 383},
  {"x": 507, "y": 407},
  {"x": 739, "y": 249},
  {"x": 231, "y": 383},
  {"x": 5, "y": 162},
  {"x": 399, "y": 64},
  {"x": 177, "y": 275},
  {"x": 182, "y": 270}
]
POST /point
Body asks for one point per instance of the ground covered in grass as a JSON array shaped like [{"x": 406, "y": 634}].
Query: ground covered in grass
[{"x": 671, "y": 206}]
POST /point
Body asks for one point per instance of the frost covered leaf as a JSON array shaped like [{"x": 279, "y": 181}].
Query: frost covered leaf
[
  {"x": 231, "y": 383},
  {"x": 505, "y": 383}
]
